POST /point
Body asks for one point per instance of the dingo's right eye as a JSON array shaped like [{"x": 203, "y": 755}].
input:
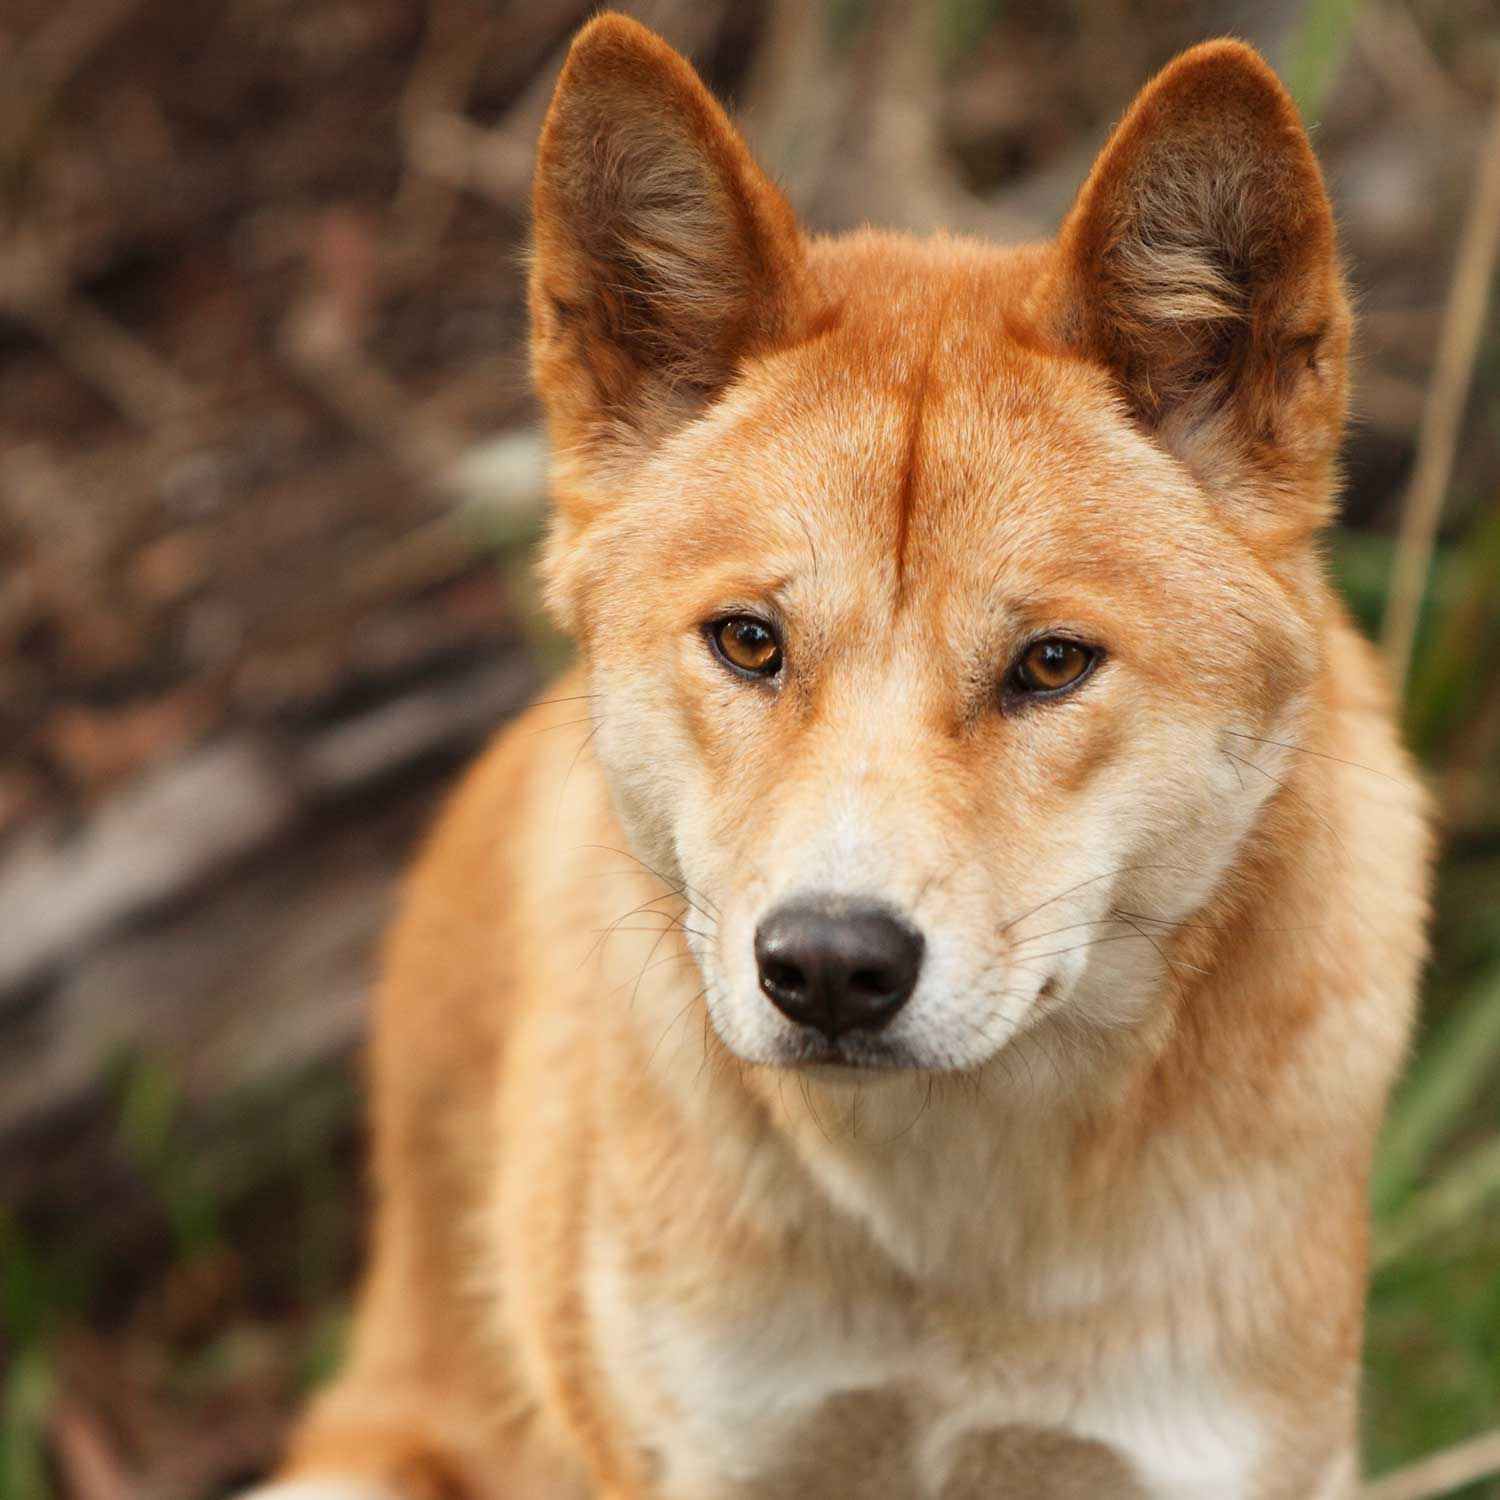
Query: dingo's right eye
[
  {"x": 1050, "y": 667},
  {"x": 747, "y": 645}
]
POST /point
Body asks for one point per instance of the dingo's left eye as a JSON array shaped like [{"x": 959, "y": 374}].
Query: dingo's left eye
[
  {"x": 1051, "y": 666},
  {"x": 747, "y": 644}
]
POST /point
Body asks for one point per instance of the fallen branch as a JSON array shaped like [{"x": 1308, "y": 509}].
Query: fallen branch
[
  {"x": 132, "y": 377},
  {"x": 34, "y": 291}
]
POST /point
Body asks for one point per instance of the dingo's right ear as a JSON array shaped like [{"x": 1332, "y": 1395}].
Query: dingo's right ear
[
  {"x": 663, "y": 254},
  {"x": 1199, "y": 266}
]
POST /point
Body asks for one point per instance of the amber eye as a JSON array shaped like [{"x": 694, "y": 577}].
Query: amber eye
[
  {"x": 1051, "y": 666},
  {"x": 747, "y": 644}
]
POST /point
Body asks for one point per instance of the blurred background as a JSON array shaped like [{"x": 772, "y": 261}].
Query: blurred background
[{"x": 269, "y": 481}]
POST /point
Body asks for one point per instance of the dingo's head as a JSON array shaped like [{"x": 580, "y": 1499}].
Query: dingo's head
[{"x": 941, "y": 603}]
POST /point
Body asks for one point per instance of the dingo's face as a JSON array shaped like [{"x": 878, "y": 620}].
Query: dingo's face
[{"x": 943, "y": 606}]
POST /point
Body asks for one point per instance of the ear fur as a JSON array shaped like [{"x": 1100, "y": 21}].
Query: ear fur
[
  {"x": 663, "y": 254},
  {"x": 1199, "y": 266}
]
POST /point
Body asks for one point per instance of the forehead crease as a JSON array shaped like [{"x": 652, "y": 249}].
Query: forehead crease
[
  {"x": 873, "y": 382},
  {"x": 849, "y": 458},
  {"x": 918, "y": 390},
  {"x": 1000, "y": 470}
]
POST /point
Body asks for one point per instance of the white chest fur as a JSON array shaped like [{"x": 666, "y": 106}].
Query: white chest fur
[{"x": 795, "y": 1397}]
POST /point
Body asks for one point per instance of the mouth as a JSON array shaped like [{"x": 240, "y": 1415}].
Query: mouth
[{"x": 844, "y": 1057}]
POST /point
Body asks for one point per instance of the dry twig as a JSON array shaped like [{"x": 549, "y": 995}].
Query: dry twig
[
  {"x": 496, "y": 161},
  {"x": 323, "y": 340},
  {"x": 1458, "y": 347},
  {"x": 457, "y": 39},
  {"x": 117, "y": 364},
  {"x": 35, "y": 291},
  {"x": 1393, "y": 45},
  {"x": 447, "y": 148},
  {"x": 1442, "y": 1473}
]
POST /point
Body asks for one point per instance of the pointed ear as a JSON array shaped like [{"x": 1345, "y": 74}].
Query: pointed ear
[
  {"x": 663, "y": 255},
  {"x": 1198, "y": 265}
]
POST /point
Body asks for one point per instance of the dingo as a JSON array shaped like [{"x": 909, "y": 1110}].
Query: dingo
[{"x": 910, "y": 1015}]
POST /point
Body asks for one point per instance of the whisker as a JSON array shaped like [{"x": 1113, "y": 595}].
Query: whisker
[
  {"x": 625, "y": 853},
  {"x": 1319, "y": 754},
  {"x": 679, "y": 890},
  {"x": 911, "y": 1125},
  {"x": 1118, "y": 937},
  {"x": 564, "y": 724},
  {"x": 1036, "y": 937},
  {"x": 807, "y": 1100},
  {"x": 672, "y": 923},
  {"x": 567, "y": 698},
  {"x": 1092, "y": 880},
  {"x": 707, "y": 1018},
  {"x": 1215, "y": 926},
  {"x": 644, "y": 908},
  {"x": 668, "y": 958},
  {"x": 646, "y": 963},
  {"x": 1162, "y": 953},
  {"x": 1295, "y": 795},
  {"x": 811, "y": 545},
  {"x": 651, "y": 1056}
]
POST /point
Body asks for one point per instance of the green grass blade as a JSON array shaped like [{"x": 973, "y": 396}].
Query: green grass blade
[
  {"x": 1464, "y": 1191},
  {"x": 1316, "y": 51},
  {"x": 1443, "y": 1084}
]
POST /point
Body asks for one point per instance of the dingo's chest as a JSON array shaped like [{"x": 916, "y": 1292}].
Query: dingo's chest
[{"x": 797, "y": 1399}]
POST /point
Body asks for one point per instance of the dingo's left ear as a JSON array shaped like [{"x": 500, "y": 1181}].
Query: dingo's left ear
[
  {"x": 1199, "y": 266},
  {"x": 663, "y": 254}
]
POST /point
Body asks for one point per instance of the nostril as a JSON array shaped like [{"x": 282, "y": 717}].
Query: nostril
[
  {"x": 787, "y": 978},
  {"x": 872, "y": 983}
]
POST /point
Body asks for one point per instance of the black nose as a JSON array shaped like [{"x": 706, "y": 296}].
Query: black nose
[{"x": 837, "y": 968}]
